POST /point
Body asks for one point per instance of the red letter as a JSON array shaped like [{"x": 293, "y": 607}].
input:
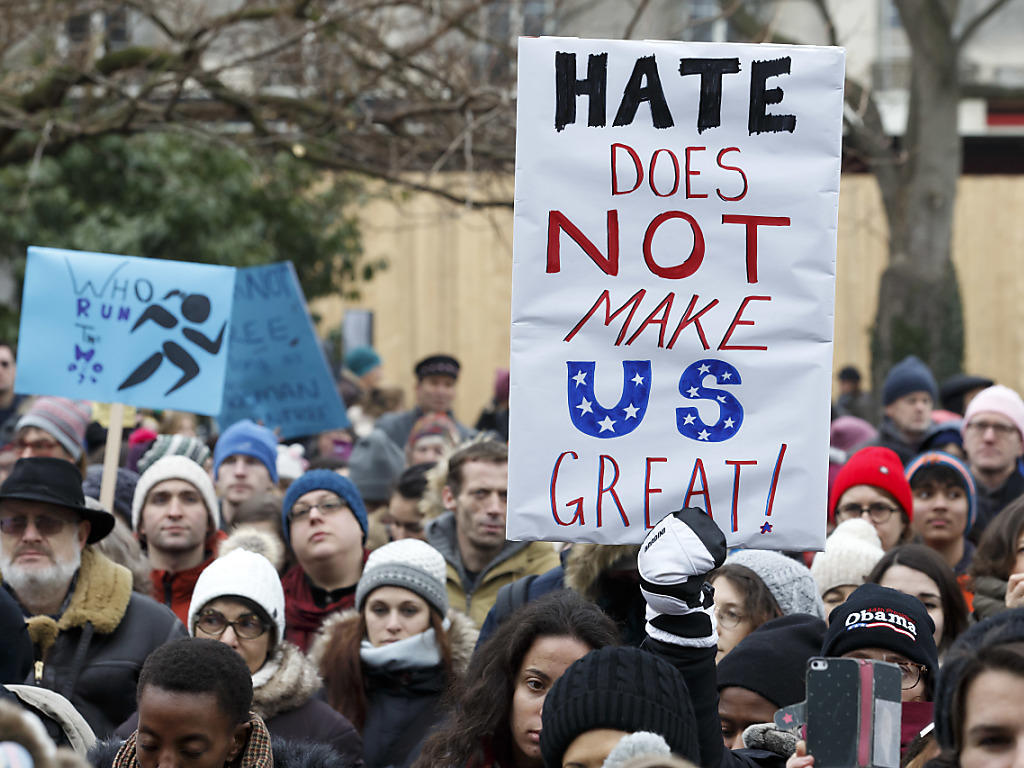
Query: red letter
[
  {"x": 675, "y": 166},
  {"x": 686, "y": 320},
  {"x": 636, "y": 164},
  {"x": 648, "y": 490},
  {"x": 698, "y": 467},
  {"x": 775, "y": 481},
  {"x": 664, "y": 307},
  {"x": 690, "y": 173},
  {"x": 736, "y": 490},
  {"x": 635, "y": 300},
  {"x": 693, "y": 261},
  {"x": 602, "y": 490},
  {"x": 743, "y": 176},
  {"x": 578, "y": 502},
  {"x": 557, "y": 223},
  {"x": 736, "y": 321},
  {"x": 752, "y": 223}
]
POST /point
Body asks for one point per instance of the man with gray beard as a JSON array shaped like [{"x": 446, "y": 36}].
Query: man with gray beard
[{"x": 90, "y": 632}]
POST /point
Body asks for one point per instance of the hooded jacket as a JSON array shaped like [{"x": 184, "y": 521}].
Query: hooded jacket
[
  {"x": 516, "y": 559},
  {"x": 93, "y": 652},
  {"x": 403, "y": 705}
]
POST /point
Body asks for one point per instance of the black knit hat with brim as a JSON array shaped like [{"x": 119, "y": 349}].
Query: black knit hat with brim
[
  {"x": 624, "y": 689},
  {"x": 772, "y": 660}
]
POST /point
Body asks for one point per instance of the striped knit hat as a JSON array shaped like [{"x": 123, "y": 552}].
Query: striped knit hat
[
  {"x": 957, "y": 469},
  {"x": 65, "y": 420},
  {"x": 175, "y": 445},
  {"x": 408, "y": 563},
  {"x": 176, "y": 468}
]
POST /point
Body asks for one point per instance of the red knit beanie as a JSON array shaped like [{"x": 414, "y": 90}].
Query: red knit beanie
[{"x": 879, "y": 468}]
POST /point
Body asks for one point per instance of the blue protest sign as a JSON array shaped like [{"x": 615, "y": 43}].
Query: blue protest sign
[
  {"x": 277, "y": 373},
  {"x": 145, "y": 332}
]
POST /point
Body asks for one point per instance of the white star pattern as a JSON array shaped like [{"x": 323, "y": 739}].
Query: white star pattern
[
  {"x": 692, "y": 391},
  {"x": 607, "y": 425},
  {"x": 689, "y": 419},
  {"x": 580, "y": 378},
  {"x": 704, "y": 368},
  {"x": 726, "y": 376},
  {"x": 631, "y": 411},
  {"x": 720, "y": 398},
  {"x": 729, "y": 422},
  {"x": 638, "y": 379},
  {"x": 702, "y": 435},
  {"x": 584, "y": 406}
]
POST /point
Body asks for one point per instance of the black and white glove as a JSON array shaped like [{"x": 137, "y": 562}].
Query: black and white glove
[{"x": 674, "y": 561}]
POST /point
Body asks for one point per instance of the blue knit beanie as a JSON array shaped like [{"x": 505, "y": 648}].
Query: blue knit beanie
[
  {"x": 247, "y": 438},
  {"x": 322, "y": 480},
  {"x": 908, "y": 375},
  {"x": 362, "y": 360}
]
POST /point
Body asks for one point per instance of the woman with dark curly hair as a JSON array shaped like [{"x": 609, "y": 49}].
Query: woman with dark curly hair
[
  {"x": 997, "y": 570},
  {"x": 495, "y": 715},
  {"x": 917, "y": 570}
]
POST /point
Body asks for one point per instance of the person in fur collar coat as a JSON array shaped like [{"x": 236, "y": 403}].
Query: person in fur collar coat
[{"x": 387, "y": 663}]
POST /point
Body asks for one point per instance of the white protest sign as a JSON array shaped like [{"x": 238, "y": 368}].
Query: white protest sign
[{"x": 674, "y": 268}]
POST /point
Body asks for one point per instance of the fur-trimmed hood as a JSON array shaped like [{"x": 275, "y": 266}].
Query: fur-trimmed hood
[
  {"x": 254, "y": 539},
  {"x": 100, "y": 598},
  {"x": 461, "y": 637},
  {"x": 586, "y": 563},
  {"x": 293, "y": 681}
]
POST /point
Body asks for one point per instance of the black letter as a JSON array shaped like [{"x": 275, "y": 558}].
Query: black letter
[
  {"x": 567, "y": 88},
  {"x": 645, "y": 69},
  {"x": 709, "y": 113},
  {"x": 760, "y": 97}
]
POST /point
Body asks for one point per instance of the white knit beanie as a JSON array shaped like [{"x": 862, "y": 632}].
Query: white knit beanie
[
  {"x": 408, "y": 563},
  {"x": 175, "y": 468},
  {"x": 240, "y": 573},
  {"x": 850, "y": 553}
]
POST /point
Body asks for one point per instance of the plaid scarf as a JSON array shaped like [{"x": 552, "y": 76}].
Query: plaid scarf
[{"x": 256, "y": 753}]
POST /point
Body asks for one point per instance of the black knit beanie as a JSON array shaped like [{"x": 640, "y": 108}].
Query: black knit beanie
[
  {"x": 879, "y": 617},
  {"x": 624, "y": 689},
  {"x": 1005, "y": 627},
  {"x": 772, "y": 660}
]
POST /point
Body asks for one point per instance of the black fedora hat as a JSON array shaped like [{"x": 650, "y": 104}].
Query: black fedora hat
[{"x": 58, "y": 482}]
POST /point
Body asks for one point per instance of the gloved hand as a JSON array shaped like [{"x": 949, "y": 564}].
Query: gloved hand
[{"x": 674, "y": 561}]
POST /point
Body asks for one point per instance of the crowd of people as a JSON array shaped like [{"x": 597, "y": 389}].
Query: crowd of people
[{"x": 350, "y": 599}]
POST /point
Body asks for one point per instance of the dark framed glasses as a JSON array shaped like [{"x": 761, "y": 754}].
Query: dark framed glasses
[
  {"x": 15, "y": 525},
  {"x": 214, "y": 623}
]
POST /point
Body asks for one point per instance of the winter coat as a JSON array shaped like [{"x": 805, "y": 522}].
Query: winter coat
[
  {"x": 92, "y": 654},
  {"x": 605, "y": 574},
  {"x": 403, "y": 706},
  {"x": 889, "y": 436},
  {"x": 989, "y": 596},
  {"x": 517, "y": 559},
  {"x": 174, "y": 588},
  {"x": 991, "y": 503},
  {"x": 303, "y": 617},
  {"x": 398, "y": 426}
]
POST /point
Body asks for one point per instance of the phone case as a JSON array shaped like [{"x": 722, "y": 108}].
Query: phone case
[{"x": 853, "y": 713}]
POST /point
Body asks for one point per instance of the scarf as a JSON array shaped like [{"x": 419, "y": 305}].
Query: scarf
[
  {"x": 255, "y": 754},
  {"x": 416, "y": 652}
]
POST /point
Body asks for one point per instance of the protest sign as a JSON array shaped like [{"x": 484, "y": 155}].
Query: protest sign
[
  {"x": 122, "y": 329},
  {"x": 277, "y": 372},
  {"x": 674, "y": 267}
]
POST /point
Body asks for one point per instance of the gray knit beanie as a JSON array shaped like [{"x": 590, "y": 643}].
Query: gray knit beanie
[
  {"x": 408, "y": 563},
  {"x": 790, "y": 582}
]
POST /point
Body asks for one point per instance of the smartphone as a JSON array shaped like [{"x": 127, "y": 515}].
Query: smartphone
[{"x": 853, "y": 713}]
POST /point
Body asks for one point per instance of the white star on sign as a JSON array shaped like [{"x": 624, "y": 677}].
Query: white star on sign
[
  {"x": 726, "y": 376},
  {"x": 692, "y": 391},
  {"x": 607, "y": 425},
  {"x": 703, "y": 435},
  {"x": 720, "y": 398},
  {"x": 631, "y": 411},
  {"x": 638, "y": 379},
  {"x": 580, "y": 378},
  {"x": 689, "y": 419},
  {"x": 584, "y": 406},
  {"x": 729, "y": 422},
  {"x": 704, "y": 368}
]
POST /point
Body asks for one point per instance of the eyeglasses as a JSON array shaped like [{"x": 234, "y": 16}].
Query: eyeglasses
[
  {"x": 910, "y": 672},
  {"x": 981, "y": 427},
  {"x": 248, "y": 626},
  {"x": 326, "y": 507},
  {"x": 15, "y": 525},
  {"x": 878, "y": 511},
  {"x": 728, "y": 618},
  {"x": 38, "y": 446}
]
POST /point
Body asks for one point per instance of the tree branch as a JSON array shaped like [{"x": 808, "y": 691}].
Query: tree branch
[{"x": 973, "y": 24}]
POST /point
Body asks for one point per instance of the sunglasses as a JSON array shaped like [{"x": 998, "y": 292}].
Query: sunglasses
[{"x": 15, "y": 525}]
